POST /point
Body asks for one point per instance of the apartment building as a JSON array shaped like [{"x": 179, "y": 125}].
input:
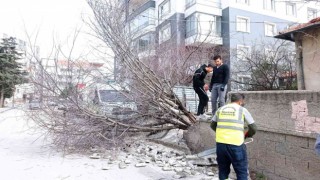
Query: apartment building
[
  {"x": 157, "y": 22},
  {"x": 225, "y": 24},
  {"x": 246, "y": 23}
]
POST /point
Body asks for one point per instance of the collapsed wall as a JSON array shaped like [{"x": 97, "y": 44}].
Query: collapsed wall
[{"x": 288, "y": 122}]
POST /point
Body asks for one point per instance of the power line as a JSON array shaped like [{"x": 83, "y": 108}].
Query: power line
[{"x": 251, "y": 22}]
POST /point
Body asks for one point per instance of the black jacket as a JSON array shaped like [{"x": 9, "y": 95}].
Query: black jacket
[
  {"x": 199, "y": 75},
  {"x": 220, "y": 75}
]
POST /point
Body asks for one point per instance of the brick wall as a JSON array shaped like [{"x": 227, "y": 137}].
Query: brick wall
[{"x": 288, "y": 122}]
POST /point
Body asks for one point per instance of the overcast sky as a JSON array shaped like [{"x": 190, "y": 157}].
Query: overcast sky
[{"x": 50, "y": 17}]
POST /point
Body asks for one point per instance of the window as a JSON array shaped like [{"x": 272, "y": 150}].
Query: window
[
  {"x": 243, "y": 1},
  {"x": 143, "y": 20},
  {"x": 312, "y": 13},
  {"x": 243, "y": 52},
  {"x": 164, "y": 9},
  {"x": 189, "y": 3},
  {"x": 165, "y": 33},
  {"x": 270, "y": 54},
  {"x": 243, "y": 24},
  {"x": 145, "y": 42},
  {"x": 191, "y": 25},
  {"x": 291, "y": 9},
  {"x": 269, "y": 29},
  {"x": 269, "y": 5},
  {"x": 243, "y": 82}
]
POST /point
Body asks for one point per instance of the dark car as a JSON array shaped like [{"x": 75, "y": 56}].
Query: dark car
[
  {"x": 114, "y": 102},
  {"x": 34, "y": 104}
]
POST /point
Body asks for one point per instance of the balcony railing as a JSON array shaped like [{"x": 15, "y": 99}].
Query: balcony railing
[{"x": 209, "y": 3}]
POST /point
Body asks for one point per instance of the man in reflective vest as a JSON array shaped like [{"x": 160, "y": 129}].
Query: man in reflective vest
[{"x": 229, "y": 125}]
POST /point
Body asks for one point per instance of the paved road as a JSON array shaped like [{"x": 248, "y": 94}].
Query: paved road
[{"x": 25, "y": 154}]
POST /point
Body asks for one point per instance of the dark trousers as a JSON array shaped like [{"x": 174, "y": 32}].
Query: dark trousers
[
  {"x": 203, "y": 99},
  {"x": 237, "y": 156}
]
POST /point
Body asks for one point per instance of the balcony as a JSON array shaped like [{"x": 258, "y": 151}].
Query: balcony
[
  {"x": 203, "y": 28},
  {"x": 203, "y": 6},
  {"x": 143, "y": 23},
  {"x": 204, "y": 39}
]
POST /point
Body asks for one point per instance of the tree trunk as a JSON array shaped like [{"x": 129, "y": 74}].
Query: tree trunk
[{"x": 2, "y": 98}]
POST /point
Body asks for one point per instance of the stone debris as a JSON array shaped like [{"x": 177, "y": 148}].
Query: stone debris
[
  {"x": 105, "y": 167},
  {"x": 172, "y": 162},
  {"x": 187, "y": 171},
  {"x": 189, "y": 157},
  {"x": 95, "y": 156},
  {"x": 179, "y": 157},
  {"x": 122, "y": 165},
  {"x": 210, "y": 174},
  {"x": 144, "y": 154},
  {"x": 167, "y": 168},
  {"x": 180, "y": 175},
  {"x": 141, "y": 165},
  {"x": 127, "y": 161},
  {"x": 179, "y": 169}
]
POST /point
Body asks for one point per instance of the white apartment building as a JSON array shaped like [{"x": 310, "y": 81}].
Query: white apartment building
[{"x": 229, "y": 24}]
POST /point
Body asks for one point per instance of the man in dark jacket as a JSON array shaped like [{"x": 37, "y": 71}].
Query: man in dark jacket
[
  {"x": 218, "y": 84},
  {"x": 200, "y": 88}
]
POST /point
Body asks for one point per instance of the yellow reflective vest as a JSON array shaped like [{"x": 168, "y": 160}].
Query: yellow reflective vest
[{"x": 230, "y": 125}]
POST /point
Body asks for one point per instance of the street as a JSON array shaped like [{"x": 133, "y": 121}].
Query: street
[{"x": 26, "y": 154}]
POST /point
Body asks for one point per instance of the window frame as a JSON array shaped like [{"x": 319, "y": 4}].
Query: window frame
[
  {"x": 161, "y": 33},
  {"x": 191, "y": 3},
  {"x": 150, "y": 39},
  {"x": 241, "y": 78},
  {"x": 239, "y": 46},
  {"x": 314, "y": 14},
  {"x": 247, "y": 24},
  {"x": 247, "y": 2},
  {"x": 161, "y": 14},
  {"x": 274, "y": 29},
  {"x": 294, "y": 9},
  {"x": 273, "y": 5},
  {"x": 194, "y": 31}
]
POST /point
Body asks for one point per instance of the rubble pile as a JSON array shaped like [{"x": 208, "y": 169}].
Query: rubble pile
[{"x": 144, "y": 153}]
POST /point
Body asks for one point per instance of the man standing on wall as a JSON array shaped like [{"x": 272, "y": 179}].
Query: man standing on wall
[
  {"x": 200, "y": 88},
  {"x": 228, "y": 123},
  {"x": 218, "y": 84}
]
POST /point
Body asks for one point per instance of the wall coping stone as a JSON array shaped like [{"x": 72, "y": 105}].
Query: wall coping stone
[{"x": 288, "y": 132}]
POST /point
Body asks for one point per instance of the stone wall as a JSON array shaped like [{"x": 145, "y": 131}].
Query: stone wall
[{"x": 288, "y": 122}]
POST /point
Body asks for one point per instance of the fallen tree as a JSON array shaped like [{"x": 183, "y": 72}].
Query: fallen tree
[{"x": 146, "y": 78}]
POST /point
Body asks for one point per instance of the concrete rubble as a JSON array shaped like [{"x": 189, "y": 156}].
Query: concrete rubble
[{"x": 144, "y": 153}]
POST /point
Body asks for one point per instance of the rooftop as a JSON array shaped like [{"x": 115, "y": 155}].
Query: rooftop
[{"x": 288, "y": 34}]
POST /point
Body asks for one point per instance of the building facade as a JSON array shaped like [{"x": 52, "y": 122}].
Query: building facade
[
  {"x": 306, "y": 37},
  {"x": 232, "y": 25}
]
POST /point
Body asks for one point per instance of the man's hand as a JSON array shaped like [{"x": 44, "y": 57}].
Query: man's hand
[
  {"x": 222, "y": 88},
  {"x": 206, "y": 87}
]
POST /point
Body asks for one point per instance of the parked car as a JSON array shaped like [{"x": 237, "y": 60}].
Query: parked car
[
  {"x": 34, "y": 104},
  {"x": 115, "y": 102},
  {"x": 52, "y": 103},
  {"x": 110, "y": 99},
  {"x": 64, "y": 104}
]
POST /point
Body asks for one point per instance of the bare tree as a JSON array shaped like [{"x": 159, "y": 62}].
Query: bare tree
[
  {"x": 265, "y": 66},
  {"x": 78, "y": 102}
]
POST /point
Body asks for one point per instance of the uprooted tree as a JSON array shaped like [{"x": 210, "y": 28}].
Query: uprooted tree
[{"x": 144, "y": 80}]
